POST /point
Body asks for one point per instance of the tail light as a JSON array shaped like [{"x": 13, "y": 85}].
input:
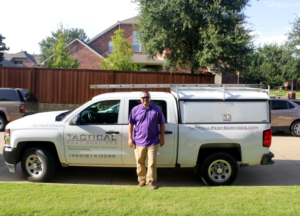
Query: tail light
[
  {"x": 267, "y": 139},
  {"x": 22, "y": 108}
]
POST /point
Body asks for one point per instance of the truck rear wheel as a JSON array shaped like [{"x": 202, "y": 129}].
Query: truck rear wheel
[
  {"x": 38, "y": 165},
  {"x": 219, "y": 169}
]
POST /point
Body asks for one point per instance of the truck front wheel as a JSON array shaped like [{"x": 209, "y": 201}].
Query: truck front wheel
[
  {"x": 219, "y": 169},
  {"x": 38, "y": 165}
]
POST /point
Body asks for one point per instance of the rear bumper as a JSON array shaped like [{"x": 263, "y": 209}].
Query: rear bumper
[
  {"x": 15, "y": 116},
  {"x": 267, "y": 159}
]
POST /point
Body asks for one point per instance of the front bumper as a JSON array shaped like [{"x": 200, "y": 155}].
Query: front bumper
[
  {"x": 10, "y": 157},
  {"x": 267, "y": 159}
]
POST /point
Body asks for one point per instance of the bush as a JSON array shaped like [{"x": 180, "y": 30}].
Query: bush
[{"x": 282, "y": 87}]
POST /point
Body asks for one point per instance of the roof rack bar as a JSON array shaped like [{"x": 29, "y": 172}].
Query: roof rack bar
[{"x": 174, "y": 86}]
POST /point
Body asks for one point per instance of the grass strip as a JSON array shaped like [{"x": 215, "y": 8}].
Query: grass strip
[
  {"x": 53, "y": 199},
  {"x": 283, "y": 93}
]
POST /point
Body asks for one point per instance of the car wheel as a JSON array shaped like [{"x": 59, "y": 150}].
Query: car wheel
[
  {"x": 295, "y": 129},
  {"x": 38, "y": 165},
  {"x": 219, "y": 169},
  {"x": 3, "y": 123}
]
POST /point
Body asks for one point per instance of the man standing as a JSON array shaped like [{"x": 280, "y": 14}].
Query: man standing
[{"x": 146, "y": 118}]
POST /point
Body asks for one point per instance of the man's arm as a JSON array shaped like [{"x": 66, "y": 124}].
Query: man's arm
[
  {"x": 162, "y": 134},
  {"x": 130, "y": 132}
]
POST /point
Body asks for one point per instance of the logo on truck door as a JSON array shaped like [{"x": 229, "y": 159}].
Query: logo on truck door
[{"x": 90, "y": 141}]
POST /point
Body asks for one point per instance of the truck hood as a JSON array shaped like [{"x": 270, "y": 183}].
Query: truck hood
[{"x": 44, "y": 120}]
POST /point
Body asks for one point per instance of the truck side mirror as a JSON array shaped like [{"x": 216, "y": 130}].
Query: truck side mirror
[{"x": 75, "y": 120}]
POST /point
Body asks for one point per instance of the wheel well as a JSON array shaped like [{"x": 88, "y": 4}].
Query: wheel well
[
  {"x": 207, "y": 150},
  {"x": 3, "y": 115},
  {"x": 23, "y": 146},
  {"x": 293, "y": 123}
]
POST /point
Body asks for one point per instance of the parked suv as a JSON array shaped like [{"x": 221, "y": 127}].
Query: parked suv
[
  {"x": 285, "y": 115},
  {"x": 15, "y": 103}
]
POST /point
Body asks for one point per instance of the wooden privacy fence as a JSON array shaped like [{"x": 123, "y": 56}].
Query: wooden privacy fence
[{"x": 72, "y": 86}]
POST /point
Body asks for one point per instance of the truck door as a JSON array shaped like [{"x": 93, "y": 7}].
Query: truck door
[
  {"x": 166, "y": 154},
  {"x": 98, "y": 139}
]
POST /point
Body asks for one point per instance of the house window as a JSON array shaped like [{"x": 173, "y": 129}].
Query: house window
[
  {"x": 19, "y": 63},
  {"x": 110, "y": 46},
  {"x": 136, "y": 45}
]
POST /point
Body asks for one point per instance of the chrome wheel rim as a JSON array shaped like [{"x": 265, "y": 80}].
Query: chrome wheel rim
[
  {"x": 297, "y": 129},
  {"x": 219, "y": 171},
  {"x": 34, "y": 165},
  {"x": 1, "y": 123}
]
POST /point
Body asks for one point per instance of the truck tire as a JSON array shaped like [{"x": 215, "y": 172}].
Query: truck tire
[
  {"x": 38, "y": 165},
  {"x": 3, "y": 123},
  {"x": 295, "y": 129},
  {"x": 219, "y": 169}
]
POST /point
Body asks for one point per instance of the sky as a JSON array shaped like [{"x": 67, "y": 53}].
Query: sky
[{"x": 26, "y": 23}]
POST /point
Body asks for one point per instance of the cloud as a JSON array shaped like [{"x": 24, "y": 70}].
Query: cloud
[
  {"x": 277, "y": 37},
  {"x": 276, "y": 4}
]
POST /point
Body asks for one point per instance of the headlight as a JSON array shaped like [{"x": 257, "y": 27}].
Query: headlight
[{"x": 7, "y": 137}]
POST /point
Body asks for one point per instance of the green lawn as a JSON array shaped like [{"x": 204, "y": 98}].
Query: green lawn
[
  {"x": 283, "y": 93},
  {"x": 54, "y": 199}
]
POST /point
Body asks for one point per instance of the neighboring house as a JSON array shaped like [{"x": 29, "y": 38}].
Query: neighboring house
[
  {"x": 21, "y": 59},
  {"x": 91, "y": 53},
  {"x": 6, "y": 63}
]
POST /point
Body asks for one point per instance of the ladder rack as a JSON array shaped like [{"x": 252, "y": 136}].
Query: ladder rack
[
  {"x": 174, "y": 85},
  {"x": 204, "y": 87}
]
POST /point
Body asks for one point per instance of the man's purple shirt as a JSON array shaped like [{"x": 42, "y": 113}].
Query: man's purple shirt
[{"x": 146, "y": 122}]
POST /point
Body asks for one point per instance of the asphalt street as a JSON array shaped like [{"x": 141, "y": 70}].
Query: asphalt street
[{"x": 285, "y": 171}]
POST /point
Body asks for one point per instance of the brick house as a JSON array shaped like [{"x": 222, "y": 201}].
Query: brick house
[
  {"x": 21, "y": 59},
  {"x": 91, "y": 53}
]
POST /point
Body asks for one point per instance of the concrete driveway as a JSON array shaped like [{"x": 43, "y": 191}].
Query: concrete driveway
[{"x": 285, "y": 171}]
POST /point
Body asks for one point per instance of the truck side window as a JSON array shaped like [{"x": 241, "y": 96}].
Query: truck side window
[
  {"x": 279, "y": 105},
  {"x": 8, "y": 95},
  {"x": 291, "y": 106},
  {"x": 162, "y": 104},
  {"x": 104, "y": 112}
]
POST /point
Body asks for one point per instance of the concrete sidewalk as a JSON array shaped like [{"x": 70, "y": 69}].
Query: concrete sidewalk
[{"x": 285, "y": 171}]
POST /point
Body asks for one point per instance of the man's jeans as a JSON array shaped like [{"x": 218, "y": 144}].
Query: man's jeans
[{"x": 140, "y": 157}]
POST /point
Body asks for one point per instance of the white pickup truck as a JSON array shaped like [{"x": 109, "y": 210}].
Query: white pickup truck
[{"x": 213, "y": 128}]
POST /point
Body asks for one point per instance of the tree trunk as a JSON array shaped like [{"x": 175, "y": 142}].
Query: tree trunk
[
  {"x": 292, "y": 85},
  {"x": 192, "y": 71}
]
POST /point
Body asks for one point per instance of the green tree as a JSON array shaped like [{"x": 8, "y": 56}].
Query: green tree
[
  {"x": 195, "y": 33},
  {"x": 46, "y": 45},
  {"x": 266, "y": 65},
  {"x": 292, "y": 69},
  {"x": 61, "y": 57},
  {"x": 121, "y": 56},
  {"x": 2, "y": 48}
]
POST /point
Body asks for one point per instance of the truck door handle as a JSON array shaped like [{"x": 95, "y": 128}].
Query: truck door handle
[
  {"x": 112, "y": 132},
  {"x": 167, "y": 132}
]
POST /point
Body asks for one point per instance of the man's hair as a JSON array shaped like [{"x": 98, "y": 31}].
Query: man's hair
[{"x": 146, "y": 92}]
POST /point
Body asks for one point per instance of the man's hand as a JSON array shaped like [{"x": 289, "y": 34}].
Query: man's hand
[
  {"x": 130, "y": 143},
  {"x": 162, "y": 142}
]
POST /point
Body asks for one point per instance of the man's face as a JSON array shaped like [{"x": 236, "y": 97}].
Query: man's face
[{"x": 145, "y": 99}]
